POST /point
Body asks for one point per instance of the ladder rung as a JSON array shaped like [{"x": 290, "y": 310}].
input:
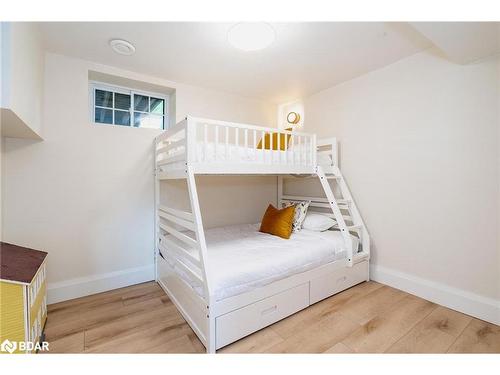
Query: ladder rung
[
  {"x": 343, "y": 201},
  {"x": 354, "y": 227},
  {"x": 333, "y": 177},
  {"x": 182, "y": 214},
  {"x": 313, "y": 199},
  {"x": 301, "y": 198},
  {"x": 350, "y": 227}
]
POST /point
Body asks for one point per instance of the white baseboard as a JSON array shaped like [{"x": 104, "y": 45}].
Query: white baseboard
[
  {"x": 84, "y": 286},
  {"x": 483, "y": 308}
]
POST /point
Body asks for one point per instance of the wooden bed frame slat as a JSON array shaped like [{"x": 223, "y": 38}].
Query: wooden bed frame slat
[
  {"x": 179, "y": 213},
  {"x": 170, "y": 245},
  {"x": 181, "y": 236},
  {"x": 183, "y": 223}
]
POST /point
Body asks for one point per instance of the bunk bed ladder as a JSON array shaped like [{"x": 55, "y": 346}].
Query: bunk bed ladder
[
  {"x": 347, "y": 201},
  {"x": 332, "y": 201}
]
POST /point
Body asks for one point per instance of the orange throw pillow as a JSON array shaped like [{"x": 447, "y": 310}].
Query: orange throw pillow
[
  {"x": 278, "y": 222},
  {"x": 267, "y": 141}
]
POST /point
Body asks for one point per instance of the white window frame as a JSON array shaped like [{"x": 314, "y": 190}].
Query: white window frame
[{"x": 94, "y": 85}]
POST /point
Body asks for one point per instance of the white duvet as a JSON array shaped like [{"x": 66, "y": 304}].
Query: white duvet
[
  {"x": 240, "y": 258},
  {"x": 235, "y": 153},
  {"x": 244, "y": 155}
]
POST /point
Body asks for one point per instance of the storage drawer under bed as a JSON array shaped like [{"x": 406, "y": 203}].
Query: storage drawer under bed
[
  {"x": 337, "y": 281},
  {"x": 239, "y": 323}
]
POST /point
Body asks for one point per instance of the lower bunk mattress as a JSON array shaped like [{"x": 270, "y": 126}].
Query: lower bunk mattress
[{"x": 240, "y": 258}]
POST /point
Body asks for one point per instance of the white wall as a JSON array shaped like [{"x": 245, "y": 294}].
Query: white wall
[
  {"x": 85, "y": 194},
  {"x": 22, "y": 78},
  {"x": 419, "y": 148}
]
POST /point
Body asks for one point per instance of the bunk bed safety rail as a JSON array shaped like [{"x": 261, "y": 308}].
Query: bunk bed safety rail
[
  {"x": 327, "y": 149},
  {"x": 178, "y": 244},
  {"x": 171, "y": 149},
  {"x": 218, "y": 141}
]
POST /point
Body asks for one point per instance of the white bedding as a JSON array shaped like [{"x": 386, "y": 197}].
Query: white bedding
[
  {"x": 237, "y": 153},
  {"x": 240, "y": 258},
  {"x": 242, "y": 154}
]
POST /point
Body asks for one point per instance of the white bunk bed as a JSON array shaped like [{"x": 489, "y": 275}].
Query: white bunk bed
[{"x": 226, "y": 298}]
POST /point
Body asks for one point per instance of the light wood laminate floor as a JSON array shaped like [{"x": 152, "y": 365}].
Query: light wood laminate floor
[{"x": 368, "y": 318}]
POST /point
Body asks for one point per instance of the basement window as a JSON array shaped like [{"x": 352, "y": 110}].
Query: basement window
[{"x": 114, "y": 105}]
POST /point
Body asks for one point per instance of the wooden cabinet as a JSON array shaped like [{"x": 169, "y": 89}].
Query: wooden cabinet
[{"x": 23, "y": 295}]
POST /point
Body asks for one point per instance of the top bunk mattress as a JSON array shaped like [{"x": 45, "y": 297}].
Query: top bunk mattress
[
  {"x": 210, "y": 153},
  {"x": 240, "y": 258}
]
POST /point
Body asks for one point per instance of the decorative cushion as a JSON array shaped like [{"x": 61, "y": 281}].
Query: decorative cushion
[
  {"x": 278, "y": 222},
  {"x": 300, "y": 213},
  {"x": 318, "y": 222},
  {"x": 267, "y": 141}
]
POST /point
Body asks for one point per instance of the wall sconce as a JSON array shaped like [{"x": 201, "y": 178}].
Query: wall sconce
[{"x": 293, "y": 118}]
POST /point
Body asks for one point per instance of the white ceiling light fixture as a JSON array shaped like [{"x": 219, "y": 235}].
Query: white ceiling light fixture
[
  {"x": 251, "y": 36},
  {"x": 122, "y": 47}
]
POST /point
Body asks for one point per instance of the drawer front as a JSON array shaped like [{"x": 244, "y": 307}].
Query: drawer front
[
  {"x": 337, "y": 281},
  {"x": 242, "y": 322}
]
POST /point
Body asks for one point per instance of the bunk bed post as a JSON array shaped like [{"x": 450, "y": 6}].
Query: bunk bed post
[
  {"x": 314, "y": 149},
  {"x": 335, "y": 152},
  {"x": 211, "y": 344},
  {"x": 190, "y": 139},
  {"x": 156, "y": 204}
]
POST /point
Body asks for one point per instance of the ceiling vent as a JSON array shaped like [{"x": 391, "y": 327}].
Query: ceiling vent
[{"x": 122, "y": 47}]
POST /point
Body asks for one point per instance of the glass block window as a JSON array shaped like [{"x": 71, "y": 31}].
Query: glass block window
[{"x": 126, "y": 107}]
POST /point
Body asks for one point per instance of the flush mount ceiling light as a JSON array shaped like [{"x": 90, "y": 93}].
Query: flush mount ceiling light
[
  {"x": 251, "y": 36},
  {"x": 122, "y": 47}
]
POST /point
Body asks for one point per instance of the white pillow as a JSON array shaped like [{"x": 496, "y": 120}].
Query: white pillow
[
  {"x": 299, "y": 213},
  {"x": 318, "y": 222}
]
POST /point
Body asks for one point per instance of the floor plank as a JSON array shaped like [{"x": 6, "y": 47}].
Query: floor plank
[
  {"x": 369, "y": 317},
  {"x": 375, "y": 303},
  {"x": 259, "y": 342},
  {"x": 131, "y": 324},
  {"x": 339, "y": 348},
  {"x": 97, "y": 316},
  {"x": 180, "y": 344},
  {"x": 379, "y": 333},
  {"x": 145, "y": 340},
  {"x": 318, "y": 337},
  {"x": 198, "y": 346},
  {"x": 305, "y": 318},
  {"x": 478, "y": 337},
  {"x": 89, "y": 302},
  {"x": 73, "y": 343},
  {"x": 434, "y": 334}
]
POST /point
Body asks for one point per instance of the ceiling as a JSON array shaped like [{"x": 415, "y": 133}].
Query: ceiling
[
  {"x": 463, "y": 42},
  {"x": 304, "y": 59}
]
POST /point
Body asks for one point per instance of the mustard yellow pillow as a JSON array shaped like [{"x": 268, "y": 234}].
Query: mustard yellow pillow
[
  {"x": 267, "y": 141},
  {"x": 278, "y": 222}
]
